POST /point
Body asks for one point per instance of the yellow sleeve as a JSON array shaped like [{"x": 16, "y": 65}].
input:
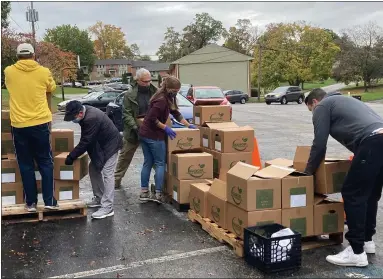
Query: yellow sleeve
[{"x": 51, "y": 84}]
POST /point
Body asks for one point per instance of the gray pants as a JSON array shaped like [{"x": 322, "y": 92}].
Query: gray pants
[{"x": 103, "y": 182}]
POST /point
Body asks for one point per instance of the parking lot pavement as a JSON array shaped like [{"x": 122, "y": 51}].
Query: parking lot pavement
[{"x": 147, "y": 240}]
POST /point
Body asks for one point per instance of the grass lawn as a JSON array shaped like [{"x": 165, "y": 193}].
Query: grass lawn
[
  {"x": 5, "y": 100},
  {"x": 314, "y": 84},
  {"x": 373, "y": 94},
  {"x": 67, "y": 90}
]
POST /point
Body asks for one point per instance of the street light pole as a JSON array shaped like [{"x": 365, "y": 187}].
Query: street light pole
[{"x": 259, "y": 71}]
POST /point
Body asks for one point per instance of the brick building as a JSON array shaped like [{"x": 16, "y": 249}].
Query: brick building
[{"x": 117, "y": 67}]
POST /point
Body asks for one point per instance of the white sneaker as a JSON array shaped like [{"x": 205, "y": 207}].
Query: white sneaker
[
  {"x": 369, "y": 247},
  {"x": 348, "y": 258}
]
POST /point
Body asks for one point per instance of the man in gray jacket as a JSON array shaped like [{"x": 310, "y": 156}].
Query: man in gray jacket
[{"x": 357, "y": 127}]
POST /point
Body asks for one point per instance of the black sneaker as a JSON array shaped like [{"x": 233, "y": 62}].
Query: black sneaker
[{"x": 31, "y": 208}]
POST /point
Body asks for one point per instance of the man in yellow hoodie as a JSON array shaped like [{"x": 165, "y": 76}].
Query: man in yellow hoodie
[{"x": 28, "y": 84}]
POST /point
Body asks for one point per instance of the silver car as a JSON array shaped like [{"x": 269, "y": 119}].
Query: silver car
[{"x": 285, "y": 94}]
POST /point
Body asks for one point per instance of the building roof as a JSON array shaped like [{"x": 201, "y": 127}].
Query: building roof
[
  {"x": 213, "y": 53},
  {"x": 113, "y": 62},
  {"x": 158, "y": 67}
]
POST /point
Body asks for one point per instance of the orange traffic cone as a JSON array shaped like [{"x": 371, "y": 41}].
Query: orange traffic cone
[{"x": 256, "y": 155}]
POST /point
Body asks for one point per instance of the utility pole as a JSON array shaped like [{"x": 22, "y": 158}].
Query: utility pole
[
  {"x": 259, "y": 71},
  {"x": 32, "y": 17}
]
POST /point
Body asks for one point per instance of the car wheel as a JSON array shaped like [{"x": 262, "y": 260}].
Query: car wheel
[
  {"x": 284, "y": 101},
  {"x": 232, "y": 103},
  {"x": 243, "y": 101},
  {"x": 268, "y": 103},
  {"x": 300, "y": 100}
]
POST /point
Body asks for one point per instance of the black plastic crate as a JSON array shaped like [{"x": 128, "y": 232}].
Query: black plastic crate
[{"x": 270, "y": 254}]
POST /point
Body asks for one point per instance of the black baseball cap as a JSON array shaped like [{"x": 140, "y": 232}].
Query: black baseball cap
[{"x": 72, "y": 109}]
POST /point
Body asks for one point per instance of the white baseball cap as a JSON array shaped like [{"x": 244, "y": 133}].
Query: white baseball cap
[{"x": 25, "y": 49}]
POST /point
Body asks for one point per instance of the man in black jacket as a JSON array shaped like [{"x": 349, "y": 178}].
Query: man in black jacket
[
  {"x": 357, "y": 127},
  {"x": 101, "y": 139}
]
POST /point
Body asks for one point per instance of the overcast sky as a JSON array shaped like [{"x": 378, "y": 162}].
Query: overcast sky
[{"x": 144, "y": 23}]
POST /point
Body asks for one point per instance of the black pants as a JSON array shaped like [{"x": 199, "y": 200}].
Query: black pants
[
  {"x": 362, "y": 190},
  {"x": 33, "y": 143}
]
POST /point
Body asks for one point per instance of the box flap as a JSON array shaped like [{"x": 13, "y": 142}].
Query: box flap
[
  {"x": 236, "y": 129},
  {"x": 318, "y": 199},
  {"x": 302, "y": 154},
  {"x": 190, "y": 154},
  {"x": 202, "y": 186},
  {"x": 274, "y": 172},
  {"x": 220, "y": 125},
  {"x": 336, "y": 159},
  {"x": 218, "y": 189},
  {"x": 243, "y": 170},
  {"x": 62, "y": 155},
  {"x": 281, "y": 162}
]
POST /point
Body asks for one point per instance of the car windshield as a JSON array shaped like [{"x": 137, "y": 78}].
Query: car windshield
[
  {"x": 280, "y": 90},
  {"x": 90, "y": 95},
  {"x": 208, "y": 93},
  {"x": 183, "y": 102}
]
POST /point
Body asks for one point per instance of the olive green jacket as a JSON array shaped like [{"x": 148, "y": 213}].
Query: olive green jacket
[{"x": 130, "y": 112}]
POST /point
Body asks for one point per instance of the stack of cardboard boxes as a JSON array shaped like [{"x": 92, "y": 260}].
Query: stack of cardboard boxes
[
  {"x": 66, "y": 177},
  {"x": 277, "y": 193}
]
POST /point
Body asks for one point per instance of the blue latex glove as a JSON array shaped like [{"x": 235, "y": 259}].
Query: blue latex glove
[
  {"x": 170, "y": 133},
  {"x": 191, "y": 126}
]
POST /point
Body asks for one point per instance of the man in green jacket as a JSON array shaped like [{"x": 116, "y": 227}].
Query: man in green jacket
[{"x": 136, "y": 103}]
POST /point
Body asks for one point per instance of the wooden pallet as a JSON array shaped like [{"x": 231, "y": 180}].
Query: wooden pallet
[
  {"x": 224, "y": 236},
  {"x": 69, "y": 209}
]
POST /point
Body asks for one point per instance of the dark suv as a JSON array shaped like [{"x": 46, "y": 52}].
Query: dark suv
[
  {"x": 285, "y": 94},
  {"x": 236, "y": 96}
]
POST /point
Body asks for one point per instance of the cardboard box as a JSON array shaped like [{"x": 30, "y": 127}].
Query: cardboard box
[
  {"x": 7, "y": 147},
  {"x": 186, "y": 140},
  {"x": 238, "y": 219},
  {"x": 62, "y": 140},
  {"x": 5, "y": 121},
  {"x": 190, "y": 166},
  {"x": 181, "y": 189},
  {"x": 225, "y": 161},
  {"x": 203, "y": 114},
  {"x": 10, "y": 172},
  {"x": 217, "y": 203},
  {"x": 330, "y": 175},
  {"x": 12, "y": 193},
  {"x": 198, "y": 197},
  {"x": 299, "y": 219},
  {"x": 297, "y": 190},
  {"x": 77, "y": 171},
  {"x": 328, "y": 215},
  {"x": 206, "y": 129},
  {"x": 252, "y": 189},
  {"x": 67, "y": 190},
  {"x": 233, "y": 140},
  {"x": 280, "y": 162}
]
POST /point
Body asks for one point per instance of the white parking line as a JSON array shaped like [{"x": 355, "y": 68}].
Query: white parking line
[{"x": 141, "y": 263}]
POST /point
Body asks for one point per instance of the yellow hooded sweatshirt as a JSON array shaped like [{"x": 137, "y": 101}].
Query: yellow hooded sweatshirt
[{"x": 27, "y": 83}]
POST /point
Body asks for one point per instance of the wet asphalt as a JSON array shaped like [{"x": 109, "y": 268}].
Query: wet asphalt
[{"x": 149, "y": 240}]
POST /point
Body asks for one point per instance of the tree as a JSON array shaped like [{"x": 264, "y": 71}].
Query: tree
[
  {"x": 55, "y": 59},
  {"x": 203, "y": 31},
  {"x": 294, "y": 52},
  {"x": 5, "y": 10},
  {"x": 169, "y": 51},
  {"x": 361, "y": 57},
  {"x": 71, "y": 38},
  {"x": 144, "y": 57},
  {"x": 242, "y": 37},
  {"x": 110, "y": 41}
]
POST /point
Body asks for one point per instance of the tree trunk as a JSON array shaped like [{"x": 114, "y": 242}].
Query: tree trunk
[
  {"x": 365, "y": 86},
  {"x": 303, "y": 84}
]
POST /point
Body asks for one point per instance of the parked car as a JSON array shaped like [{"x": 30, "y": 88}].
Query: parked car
[
  {"x": 285, "y": 94},
  {"x": 236, "y": 96},
  {"x": 114, "y": 111},
  {"x": 100, "y": 99},
  {"x": 62, "y": 105},
  {"x": 207, "y": 95},
  {"x": 184, "y": 89},
  {"x": 119, "y": 86},
  {"x": 102, "y": 88}
]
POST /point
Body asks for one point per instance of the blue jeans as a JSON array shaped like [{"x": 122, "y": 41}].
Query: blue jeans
[
  {"x": 154, "y": 155},
  {"x": 33, "y": 143}
]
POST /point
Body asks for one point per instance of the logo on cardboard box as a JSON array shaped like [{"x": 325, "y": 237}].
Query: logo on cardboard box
[
  {"x": 215, "y": 212},
  {"x": 185, "y": 144},
  {"x": 196, "y": 171},
  {"x": 217, "y": 116},
  {"x": 236, "y": 194},
  {"x": 240, "y": 144},
  {"x": 197, "y": 204},
  {"x": 237, "y": 223}
]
